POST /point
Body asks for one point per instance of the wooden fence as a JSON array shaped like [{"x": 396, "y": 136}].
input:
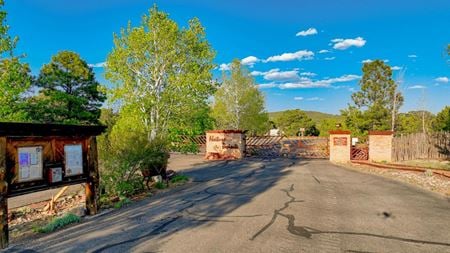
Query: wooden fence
[{"x": 421, "y": 146}]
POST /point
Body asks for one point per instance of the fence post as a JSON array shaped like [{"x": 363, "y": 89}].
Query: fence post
[
  {"x": 4, "y": 234},
  {"x": 92, "y": 184}
]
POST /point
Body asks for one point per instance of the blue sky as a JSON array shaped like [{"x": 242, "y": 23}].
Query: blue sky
[{"x": 303, "y": 54}]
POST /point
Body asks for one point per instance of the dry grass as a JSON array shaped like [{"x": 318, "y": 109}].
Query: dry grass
[{"x": 431, "y": 164}]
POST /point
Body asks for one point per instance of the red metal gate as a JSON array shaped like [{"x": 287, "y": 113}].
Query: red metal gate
[
  {"x": 306, "y": 147},
  {"x": 359, "y": 153}
]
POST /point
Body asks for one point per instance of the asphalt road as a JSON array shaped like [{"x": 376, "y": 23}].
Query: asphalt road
[{"x": 267, "y": 206}]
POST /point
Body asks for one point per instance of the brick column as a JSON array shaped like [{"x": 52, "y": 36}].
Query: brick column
[
  {"x": 340, "y": 145},
  {"x": 380, "y": 146},
  {"x": 225, "y": 144}
]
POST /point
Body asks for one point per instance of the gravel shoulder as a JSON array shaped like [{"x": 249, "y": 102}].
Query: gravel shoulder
[{"x": 434, "y": 183}]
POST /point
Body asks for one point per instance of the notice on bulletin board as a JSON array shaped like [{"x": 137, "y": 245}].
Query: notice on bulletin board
[
  {"x": 30, "y": 163},
  {"x": 73, "y": 159}
]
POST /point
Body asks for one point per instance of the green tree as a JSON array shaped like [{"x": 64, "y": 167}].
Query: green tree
[
  {"x": 325, "y": 125},
  {"x": 412, "y": 122},
  {"x": 290, "y": 122},
  {"x": 442, "y": 120},
  {"x": 378, "y": 101},
  {"x": 15, "y": 78},
  {"x": 68, "y": 92},
  {"x": 238, "y": 103},
  {"x": 161, "y": 72}
]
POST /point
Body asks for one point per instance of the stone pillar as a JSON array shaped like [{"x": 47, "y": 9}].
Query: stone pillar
[
  {"x": 340, "y": 145},
  {"x": 380, "y": 146},
  {"x": 225, "y": 144}
]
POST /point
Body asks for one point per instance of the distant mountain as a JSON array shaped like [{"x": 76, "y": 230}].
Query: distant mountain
[{"x": 317, "y": 117}]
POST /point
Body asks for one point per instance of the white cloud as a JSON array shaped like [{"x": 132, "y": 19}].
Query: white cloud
[
  {"x": 342, "y": 44},
  {"x": 416, "y": 87},
  {"x": 250, "y": 61},
  {"x": 310, "y": 31},
  {"x": 298, "y": 98},
  {"x": 396, "y": 68},
  {"x": 97, "y": 65},
  {"x": 277, "y": 75},
  {"x": 370, "y": 60},
  {"x": 412, "y": 56},
  {"x": 314, "y": 99},
  {"x": 281, "y": 75},
  {"x": 267, "y": 85},
  {"x": 308, "y": 74},
  {"x": 442, "y": 79},
  {"x": 299, "y": 55},
  {"x": 324, "y": 51},
  {"x": 224, "y": 67},
  {"x": 256, "y": 73},
  {"x": 308, "y": 83},
  {"x": 330, "y": 58}
]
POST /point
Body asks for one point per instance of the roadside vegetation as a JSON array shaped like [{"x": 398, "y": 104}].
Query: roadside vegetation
[{"x": 58, "y": 223}]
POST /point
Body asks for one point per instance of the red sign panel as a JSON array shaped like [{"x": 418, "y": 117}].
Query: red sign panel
[{"x": 340, "y": 141}]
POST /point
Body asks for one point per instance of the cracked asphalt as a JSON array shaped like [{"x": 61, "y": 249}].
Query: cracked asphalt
[{"x": 256, "y": 205}]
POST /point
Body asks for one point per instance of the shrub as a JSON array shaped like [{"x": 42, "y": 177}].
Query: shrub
[
  {"x": 179, "y": 178},
  {"x": 58, "y": 223},
  {"x": 160, "y": 185},
  {"x": 124, "y": 159},
  {"x": 122, "y": 202}
]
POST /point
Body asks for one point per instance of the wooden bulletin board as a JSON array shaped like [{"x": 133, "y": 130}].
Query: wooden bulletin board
[{"x": 36, "y": 157}]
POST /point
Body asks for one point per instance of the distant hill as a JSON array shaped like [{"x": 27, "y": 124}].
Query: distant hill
[{"x": 317, "y": 117}]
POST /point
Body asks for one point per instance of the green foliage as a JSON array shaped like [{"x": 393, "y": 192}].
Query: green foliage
[
  {"x": 179, "y": 179},
  {"x": 316, "y": 117},
  {"x": 326, "y": 125},
  {"x": 411, "y": 122},
  {"x": 68, "y": 92},
  {"x": 161, "y": 73},
  {"x": 200, "y": 121},
  {"x": 160, "y": 185},
  {"x": 15, "y": 78},
  {"x": 442, "y": 120},
  {"x": 125, "y": 152},
  {"x": 59, "y": 222},
  {"x": 290, "y": 122},
  {"x": 238, "y": 104},
  {"x": 376, "y": 102},
  {"x": 122, "y": 202}
]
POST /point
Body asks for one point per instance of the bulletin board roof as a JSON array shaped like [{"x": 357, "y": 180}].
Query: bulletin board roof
[{"x": 35, "y": 129}]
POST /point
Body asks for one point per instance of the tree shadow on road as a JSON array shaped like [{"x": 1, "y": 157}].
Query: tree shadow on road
[{"x": 218, "y": 188}]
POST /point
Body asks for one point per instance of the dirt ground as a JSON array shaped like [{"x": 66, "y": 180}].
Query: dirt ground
[{"x": 435, "y": 183}]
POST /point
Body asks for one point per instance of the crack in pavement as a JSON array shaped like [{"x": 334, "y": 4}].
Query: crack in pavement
[
  {"x": 277, "y": 212},
  {"x": 155, "y": 231},
  {"x": 308, "y": 232},
  {"x": 191, "y": 203}
]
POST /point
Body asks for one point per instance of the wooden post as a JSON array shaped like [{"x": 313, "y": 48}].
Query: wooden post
[
  {"x": 93, "y": 180},
  {"x": 4, "y": 234}
]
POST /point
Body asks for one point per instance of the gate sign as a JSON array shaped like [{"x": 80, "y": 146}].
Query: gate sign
[{"x": 340, "y": 141}]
